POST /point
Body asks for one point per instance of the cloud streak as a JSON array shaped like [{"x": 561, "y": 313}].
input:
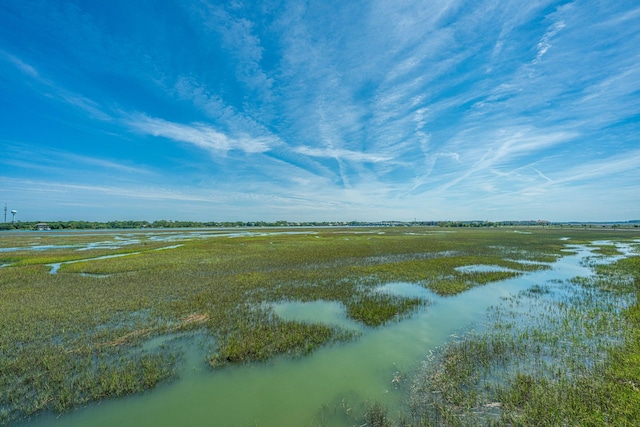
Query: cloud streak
[
  {"x": 200, "y": 135},
  {"x": 341, "y": 154}
]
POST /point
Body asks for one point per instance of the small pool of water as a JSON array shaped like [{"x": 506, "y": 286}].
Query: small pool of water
[
  {"x": 526, "y": 261},
  {"x": 482, "y": 268},
  {"x": 326, "y": 312},
  {"x": 407, "y": 290}
]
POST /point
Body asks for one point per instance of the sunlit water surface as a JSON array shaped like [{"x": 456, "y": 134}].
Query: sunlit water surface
[{"x": 308, "y": 390}]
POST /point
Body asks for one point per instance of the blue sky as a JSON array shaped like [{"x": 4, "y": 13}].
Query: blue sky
[{"x": 320, "y": 110}]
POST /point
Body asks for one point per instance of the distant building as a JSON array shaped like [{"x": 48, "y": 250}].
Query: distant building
[{"x": 42, "y": 226}]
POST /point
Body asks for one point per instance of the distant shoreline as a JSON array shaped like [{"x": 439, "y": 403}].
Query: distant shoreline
[{"x": 164, "y": 224}]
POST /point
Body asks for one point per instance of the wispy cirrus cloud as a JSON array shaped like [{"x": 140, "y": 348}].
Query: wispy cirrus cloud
[
  {"x": 561, "y": 185},
  {"x": 39, "y": 83},
  {"x": 20, "y": 64},
  {"x": 545, "y": 43},
  {"x": 341, "y": 154},
  {"x": 240, "y": 41},
  {"x": 200, "y": 135},
  {"x": 55, "y": 161},
  {"x": 501, "y": 150},
  {"x": 615, "y": 166}
]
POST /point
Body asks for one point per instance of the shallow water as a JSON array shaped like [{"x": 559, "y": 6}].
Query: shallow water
[
  {"x": 327, "y": 312},
  {"x": 56, "y": 265},
  {"x": 287, "y": 392},
  {"x": 118, "y": 239},
  {"x": 482, "y": 268}
]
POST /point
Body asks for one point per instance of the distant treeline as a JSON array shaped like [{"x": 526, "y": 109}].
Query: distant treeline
[{"x": 92, "y": 225}]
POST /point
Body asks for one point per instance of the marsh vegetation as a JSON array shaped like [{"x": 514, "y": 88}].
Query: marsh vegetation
[{"x": 83, "y": 334}]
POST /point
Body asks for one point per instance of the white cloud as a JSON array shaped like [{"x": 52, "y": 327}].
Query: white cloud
[
  {"x": 341, "y": 154},
  {"x": 188, "y": 89},
  {"x": 21, "y": 65},
  {"x": 200, "y": 135},
  {"x": 545, "y": 43},
  {"x": 593, "y": 170},
  {"x": 48, "y": 88},
  {"x": 239, "y": 39},
  {"x": 51, "y": 161}
]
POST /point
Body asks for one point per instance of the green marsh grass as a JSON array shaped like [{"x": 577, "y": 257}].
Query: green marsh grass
[
  {"x": 569, "y": 360},
  {"x": 71, "y": 338},
  {"x": 378, "y": 309}
]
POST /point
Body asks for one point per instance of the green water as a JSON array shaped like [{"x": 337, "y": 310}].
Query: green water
[{"x": 325, "y": 388}]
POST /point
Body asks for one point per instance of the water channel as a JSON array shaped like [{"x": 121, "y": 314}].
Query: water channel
[{"x": 315, "y": 388}]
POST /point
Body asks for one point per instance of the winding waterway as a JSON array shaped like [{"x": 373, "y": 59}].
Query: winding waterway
[{"x": 322, "y": 387}]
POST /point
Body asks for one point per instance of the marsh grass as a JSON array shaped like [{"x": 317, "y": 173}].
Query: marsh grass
[
  {"x": 607, "y": 250},
  {"x": 543, "y": 360},
  {"x": 79, "y": 335},
  {"x": 378, "y": 309},
  {"x": 254, "y": 334}
]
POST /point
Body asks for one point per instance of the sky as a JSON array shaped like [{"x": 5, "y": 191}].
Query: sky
[{"x": 320, "y": 110}]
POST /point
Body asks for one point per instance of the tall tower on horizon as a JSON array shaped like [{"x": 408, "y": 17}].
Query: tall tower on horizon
[{"x": 5, "y": 212}]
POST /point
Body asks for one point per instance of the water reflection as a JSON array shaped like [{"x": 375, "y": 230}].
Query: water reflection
[
  {"x": 327, "y": 312},
  {"x": 482, "y": 268}
]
